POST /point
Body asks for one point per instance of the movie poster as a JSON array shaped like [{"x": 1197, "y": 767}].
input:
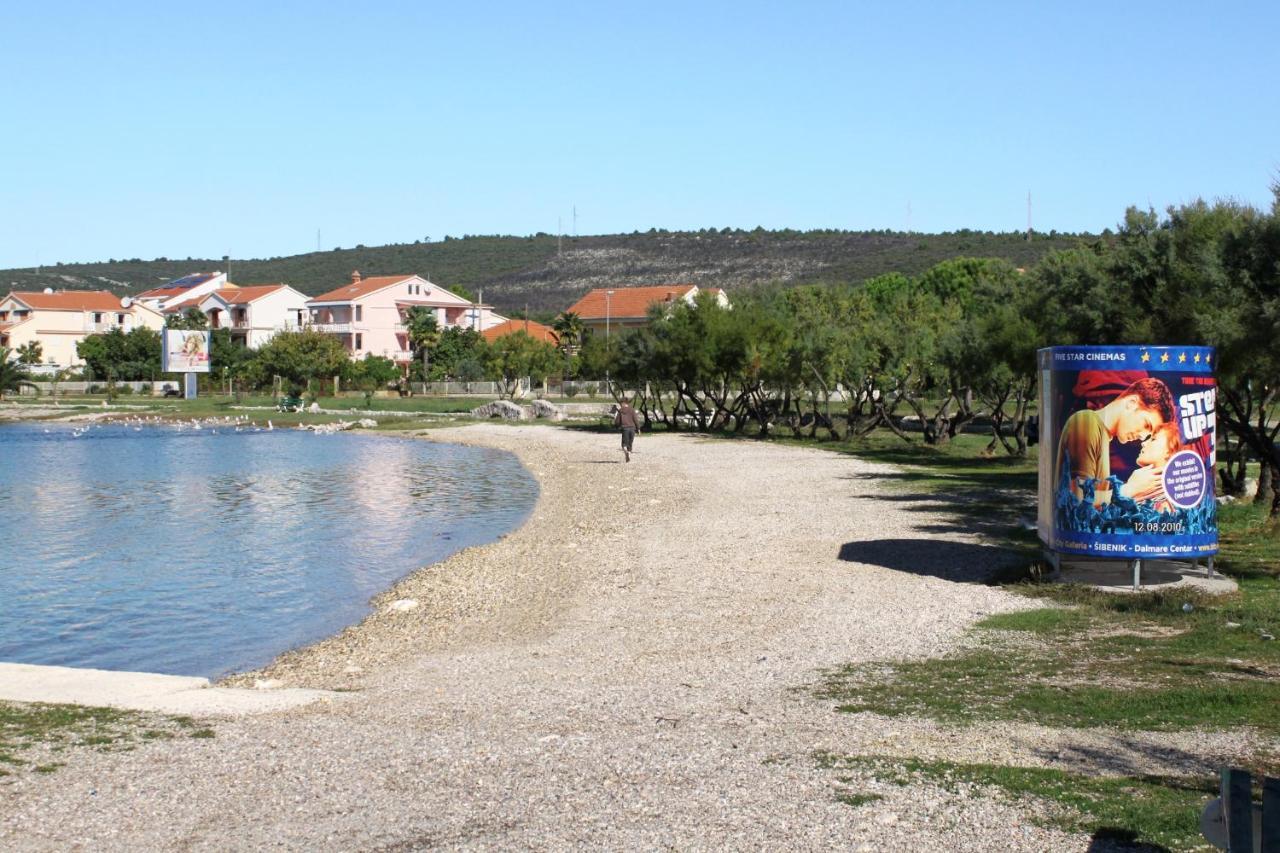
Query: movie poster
[
  {"x": 184, "y": 351},
  {"x": 1127, "y": 438}
]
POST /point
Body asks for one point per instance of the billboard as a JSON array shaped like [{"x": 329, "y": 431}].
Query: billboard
[
  {"x": 184, "y": 351},
  {"x": 1127, "y": 438}
]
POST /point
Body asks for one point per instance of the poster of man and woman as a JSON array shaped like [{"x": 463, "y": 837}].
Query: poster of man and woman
[{"x": 1127, "y": 451}]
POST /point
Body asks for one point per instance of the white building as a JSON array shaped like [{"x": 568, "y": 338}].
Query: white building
[
  {"x": 183, "y": 290},
  {"x": 255, "y": 312}
]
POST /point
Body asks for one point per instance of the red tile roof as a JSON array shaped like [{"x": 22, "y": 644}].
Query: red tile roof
[
  {"x": 70, "y": 300},
  {"x": 245, "y": 294},
  {"x": 627, "y": 301},
  {"x": 181, "y": 307},
  {"x": 363, "y": 287},
  {"x": 537, "y": 331}
]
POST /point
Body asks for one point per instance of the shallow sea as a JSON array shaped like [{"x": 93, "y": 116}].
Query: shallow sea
[{"x": 209, "y": 551}]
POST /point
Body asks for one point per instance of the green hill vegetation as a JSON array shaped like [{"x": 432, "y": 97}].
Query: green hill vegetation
[{"x": 547, "y": 274}]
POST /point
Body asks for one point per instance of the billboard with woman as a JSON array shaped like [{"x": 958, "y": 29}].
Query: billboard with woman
[{"x": 1127, "y": 451}]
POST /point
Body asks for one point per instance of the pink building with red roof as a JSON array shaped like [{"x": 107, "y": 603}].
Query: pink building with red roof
[{"x": 368, "y": 314}]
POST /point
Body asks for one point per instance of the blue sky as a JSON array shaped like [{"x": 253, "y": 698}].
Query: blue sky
[{"x": 170, "y": 129}]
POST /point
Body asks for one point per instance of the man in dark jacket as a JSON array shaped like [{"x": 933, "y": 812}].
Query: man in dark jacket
[{"x": 629, "y": 420}]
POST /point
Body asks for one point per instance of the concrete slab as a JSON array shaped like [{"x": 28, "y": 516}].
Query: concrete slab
[
  {"x": 1117, "y": 575},
  {"x": 145, "y": 691}
]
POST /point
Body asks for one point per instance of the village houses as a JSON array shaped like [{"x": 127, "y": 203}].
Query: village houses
[
  {"x": 57, "y": 321},
  {"x": 604, "y": 308}
]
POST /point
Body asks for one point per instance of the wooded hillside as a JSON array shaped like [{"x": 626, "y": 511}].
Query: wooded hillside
[{"x": 548, "y": 275}]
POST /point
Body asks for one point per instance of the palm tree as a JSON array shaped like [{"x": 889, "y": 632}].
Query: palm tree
[
  {"x": 570, "y": 328},
  {"x": 424, "y": 333},
  {"x": 12, "y": 375}
]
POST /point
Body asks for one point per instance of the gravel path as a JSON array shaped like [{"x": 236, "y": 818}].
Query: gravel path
[{"x": 626, "y": 670}]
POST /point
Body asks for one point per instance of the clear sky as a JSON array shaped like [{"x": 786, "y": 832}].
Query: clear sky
[{"x": 178, "y": 129}]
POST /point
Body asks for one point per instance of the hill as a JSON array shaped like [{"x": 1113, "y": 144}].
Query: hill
[{"x": 548, "y": 275}]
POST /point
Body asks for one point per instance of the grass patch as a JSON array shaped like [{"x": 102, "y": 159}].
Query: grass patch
[
  {"x": 58, "y": 727},
  {"x": 1160, "y": 660},
  {"x": 1154, "y": 811},
  {"x": 856, "y": 800}
]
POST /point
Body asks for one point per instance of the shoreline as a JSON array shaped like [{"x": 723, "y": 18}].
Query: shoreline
[
  {"x": 631, "y": 668},
  {"x": 388, "y": 634}
]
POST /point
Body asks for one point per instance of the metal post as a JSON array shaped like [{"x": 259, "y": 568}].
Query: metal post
[
  {"x": 607, "y": 295},
  {"x": 189, "y": 386},
  {"x": 1208, "y": 566},
  {"x": 1271, "y": 814},
  {"x": 1137, "y": 575},
  {"x": 1237, "y": 808}
]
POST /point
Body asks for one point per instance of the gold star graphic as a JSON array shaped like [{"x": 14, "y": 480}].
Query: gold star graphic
[
  {"x": 1197, "y": 358},
  {"x": 1208, "y": 358},
  {"x": 1164, "y": 357},
  {"x": 1146, "y": 356},
  {"x": 1182, "y": 358}
]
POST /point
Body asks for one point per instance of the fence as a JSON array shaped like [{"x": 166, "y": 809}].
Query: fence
[
  {"x": 1235, "y": 823},
  {"x": 80, "y": 387}
]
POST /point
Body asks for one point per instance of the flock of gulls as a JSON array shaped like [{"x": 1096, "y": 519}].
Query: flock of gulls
[{"x": 238, "y": 423}]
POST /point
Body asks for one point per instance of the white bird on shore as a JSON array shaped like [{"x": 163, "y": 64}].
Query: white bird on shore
[{"x": 269, "y": 426}]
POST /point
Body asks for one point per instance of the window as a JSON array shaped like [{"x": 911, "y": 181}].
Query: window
[
  {"x": 359, "y": 313},
  {"x": 97, "y": 318},
  {"x": 119, "y": 319},
  {"x": 359, "y": 341}
]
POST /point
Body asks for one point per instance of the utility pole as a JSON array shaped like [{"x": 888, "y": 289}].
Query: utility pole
[
  {"x": 1028, "y": 214},
  {"x": 908, "y": 216},
  {"x": 317, "y": 239}
]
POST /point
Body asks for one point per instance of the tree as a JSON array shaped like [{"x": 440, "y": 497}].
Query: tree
[
  {"x": 116, "y": 356},
  {"x": 30, "y": 353},
  {"x": 13, "y": 375},
  {"x": 454, "y": 347},
  {"x": 192, "y": 318},
  {"x": 570, "y": 329},
  {"x": 515, "y": 357},
  {"x": 369, "y": 374},
  {"x": 424, "y": 331},
  {"x": 303, "y": 356}
]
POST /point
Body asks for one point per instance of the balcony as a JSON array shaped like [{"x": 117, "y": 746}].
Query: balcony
[
  {"x": 336, "y": 328},
  {"x": 398, "y": 355}
]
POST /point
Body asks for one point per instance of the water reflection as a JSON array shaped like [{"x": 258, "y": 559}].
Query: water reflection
[{"x": 197, "y": 553}]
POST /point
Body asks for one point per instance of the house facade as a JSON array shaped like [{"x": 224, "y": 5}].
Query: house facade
[
  {"x": 368, "y": 315},
  {"x": 618, "y": 308},
  {"x": 60, "y": 320},
  {"x": 255, "y": 313}
]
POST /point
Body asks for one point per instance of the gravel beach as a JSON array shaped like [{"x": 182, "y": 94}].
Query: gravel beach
[{"x": 630, "y": 669}]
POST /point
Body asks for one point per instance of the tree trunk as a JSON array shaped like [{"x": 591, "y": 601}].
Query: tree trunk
[{"x": 1266, "y": 484}]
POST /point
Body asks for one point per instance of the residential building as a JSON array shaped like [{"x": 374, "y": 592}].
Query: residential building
[
  {"x": 254, "y": 313},
  {"x": 618, "y": 308},
  {"x": 368, "y": 315},
  {"x": 183, "y": 289},
  {"x": 537, "y": 331},
  {"x": 60, "y": 320}
]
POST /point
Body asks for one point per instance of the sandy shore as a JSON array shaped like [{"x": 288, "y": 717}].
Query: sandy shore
[{"x": 627, "y": 670}]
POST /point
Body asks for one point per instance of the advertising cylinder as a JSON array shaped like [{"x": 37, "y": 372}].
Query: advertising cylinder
[{"x": 1127, "y": 436}]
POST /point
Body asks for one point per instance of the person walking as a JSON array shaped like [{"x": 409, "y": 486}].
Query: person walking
[{"x": 627, "y": 418}]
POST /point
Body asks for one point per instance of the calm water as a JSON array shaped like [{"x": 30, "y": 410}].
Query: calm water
[{"x": 189, "y": 552}]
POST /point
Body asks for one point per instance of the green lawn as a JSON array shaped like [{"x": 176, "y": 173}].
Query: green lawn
[
  {"x": 1157, "y": 661},
  {"x": 1148, "y": 812}
]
